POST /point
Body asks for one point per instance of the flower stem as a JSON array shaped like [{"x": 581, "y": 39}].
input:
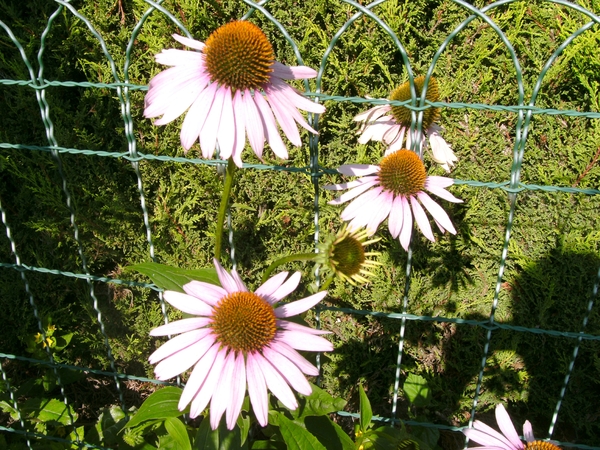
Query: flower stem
[
  {"x": 231, "y": 167},
  {"x": 287, "y": 259}
]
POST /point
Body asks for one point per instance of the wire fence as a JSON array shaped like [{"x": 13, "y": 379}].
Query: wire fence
[{"x": 525, "y": 110}]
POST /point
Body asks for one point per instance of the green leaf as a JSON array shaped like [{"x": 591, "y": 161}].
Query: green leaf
[
  {"x": 383, "y": 438},
  {"x": 177, "y": 431},
  {"x": 318, "y": 403},
  {"x": 417, "y": 390},
  {"x": 49, "y": 410},
  {"x": 268, "y": 445},
  {"x": 106, "y": 430},
  {"x": 366, "y": 413},
  {"x": 427, "y": 436},
  {"x": 296, "y": 437},
  {"x": 4, "y": 406},
  {"x": 206, "y": 439},
  {"x": 160, "y": 405},
  {"x": 173, "y": 278},
  {"x": 243, "y": 420},
  {"x": 329, "y": 433}
]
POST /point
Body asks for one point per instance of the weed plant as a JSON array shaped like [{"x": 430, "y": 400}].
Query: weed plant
[{"x": 554, "y": 251}]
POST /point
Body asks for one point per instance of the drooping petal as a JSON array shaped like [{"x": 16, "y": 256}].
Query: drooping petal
[
  {"x": 288, "y": 102},
  {"x": 227, "y": 128},
  {"x": 347, "y": 185},
  {"x": 396, "y": 217},
  {"x": 272, "y": 134},
  {"x": 276, "y": 383},
  {"x": 438, "y": 213},
  {"x": 299, "y": 306},
  {"x": 207, "y": 389},
  {"x": 358, "y": 170},
  {"x": 442, "y": 193},
  {"x": 255, "y": 126},
  {"x": 240, "y": 128},
  {"x": 442, "y": 152},
  {"x": 221, "y": 399},
  {"x": 407, "y": 224},
  {"x": 292, "y": 72},
  {"x": 303, "y": 341},
  {"x": 207, "y": 292},
  {"x": 257, "y": 389},
  {"x": 374, "y": 131},
  {"x": 187, "y": 303},
  {"x": 238, "y": 389},
  {"x": 286, "y": 288},
  {"x": 361, "y": 206},
  {"x": 181, "y": 361},
  {"x": 180, "y": 326},
  {"x": 285, "y": 120},
  {"x": 372, "y": 114},
  {"x": 421, "y": 219},
  {"x": 196, "y": 116},
  {"x": 288, "y": 370},
  {"x": 291, "y": 354},
  {"x": 397, "y": 143},
  {"x": 287, "y": 325},
  {"x": 381, "y": 211},
  {"x": 288, "y": 95},
  {"x": 208, "y": 136},
  {"x": 177, "y": 344},
  {"x": 365, "y": 185},
  {"x": 197, "y": 377}
]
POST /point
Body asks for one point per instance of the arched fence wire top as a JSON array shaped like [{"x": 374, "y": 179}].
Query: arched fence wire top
[{"x": 125, "y": 84}]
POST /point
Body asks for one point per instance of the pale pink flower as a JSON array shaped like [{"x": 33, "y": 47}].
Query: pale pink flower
[
  {"x": 394, "y": 189},
  {"x": 238, "y": 340},
  {"x": 391, "y": 124},
  {"x": 508, "y": 439},
  {"x": 231, "y": 87}
]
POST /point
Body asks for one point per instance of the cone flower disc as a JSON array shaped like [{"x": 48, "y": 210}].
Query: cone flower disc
[{"x": 237, "y": 341}]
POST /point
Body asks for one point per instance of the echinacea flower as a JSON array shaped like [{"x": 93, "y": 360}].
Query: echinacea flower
[
  {"x": 230, "y": 88},
  {"x": 394, "y": 189},
  {"x": 344, "y": 255},
  {"x": 391, "y": 128},
  {"x": 509, "y": 438},
  {"x": 238, "y": 339}
]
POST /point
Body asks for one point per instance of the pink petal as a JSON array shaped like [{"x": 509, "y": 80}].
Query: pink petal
[
  {"x": 179, "y": 58},
  {"x": 287, "y": 325},
  {"x": 438, "y": 213},
  {"x": 207, "y": 292},
  {"x": 287, "y": 370},
  {"x": 299, "y": 306},
  {"x": 384, "y": 206},
  {"x": 374, "y": 131},
  {"x": 528, "y": 432},
  {"x": 347, "y": 185},
  {"x": 291, "y": 354},
  {"x": 177, "y": 344},
  {"x": 506, "y": 427},
  {"x": 486, "y": 435},
  {"x": 271, "y": 285},
  {"x": 222, "y": 396},
  {"x": 192, "y": 43},
  {"x": 257, "y": 389},
  {"x": 227, "y": 281},
  {"x": 227, "y": 132},
  {"x": 184, "y": 359},
  {"x": 285, "y": 289},
  {"x": 442, "y": 193},
  {"x": 365, "y": 185},
  {"x": 407, "y": 223},
  {"x": 207, "y": 389},
  {"x": 421, "y": 219},
  {"x": 181, "y": 326},
  {"x": 286, "y": 122},
  {"x": 303, "y": 341},
  {"x": 238, "y": 389},
  {"x": 396, "y": 217},
  {"x": 208, "y": 136},
  {"x": 187, "y": 303},
  {"x": 373, "y": 113},
  {"x": 197, "y": 377},
  {"x": 360, "y": 207},
  {"x": 292, "y": 72},
  {"x": 290, "y": 96},
  {"x": 273, "y": 137},
  {"x": 196, "y": 116},
  {"x": 240, "y": 128},
  {"x": 438, "y": 181},
  {"x": 276, "y": 383},
  {"x": 255, "y": 126},
  {"x": 358, "y": 169},
  {"x": 397, "y": 143}
]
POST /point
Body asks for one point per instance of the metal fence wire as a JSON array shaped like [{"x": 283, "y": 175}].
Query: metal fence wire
[{"x": 25, "y": 70}]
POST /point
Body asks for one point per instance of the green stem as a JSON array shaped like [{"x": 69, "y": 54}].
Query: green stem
[
  {"x": 287, "y": 259},
  {"x": 328, "y": 281},
  {"x": 231, "y": 167}
]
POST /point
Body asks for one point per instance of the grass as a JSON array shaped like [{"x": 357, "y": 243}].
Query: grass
[{"x": 553, "y": 253}]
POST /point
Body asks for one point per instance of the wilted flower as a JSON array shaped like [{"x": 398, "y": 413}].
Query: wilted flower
[
  {"x": 238, "y": 339},
  {"x": 395, "y": 188},
  {"x": 391, "y": 128},
  {"x": 509, "y": 438},
  {"x": 232, "y": 87},
  {"x": 344, "y": 255}
]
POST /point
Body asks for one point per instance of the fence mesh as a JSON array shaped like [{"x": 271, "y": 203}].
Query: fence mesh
[{"x": 25, "y": 70}]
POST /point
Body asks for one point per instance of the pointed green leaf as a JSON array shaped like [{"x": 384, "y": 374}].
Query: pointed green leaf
[
  {"x": 318, "y": 403},
  {"x": 329, "y": 433},
  {"x": 366, "y": 413},
  {"x": 206, "y": 439},
  {"x": 416, "y": 389},
  {"x": 173, "y": 278},
  {"x": 296, "y": 437},
  {"x": 158, "y": 406},
  {"x": 177, "y": 431},
  {"x": 49, "y": 410}
]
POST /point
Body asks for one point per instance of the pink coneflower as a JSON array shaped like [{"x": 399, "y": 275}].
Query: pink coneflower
[
  {"x": 238, "y": 339},
  {"x": 509, "y": 438},
  {"x": 232, "y": 87},
  {"x": 394, "y": 188},
  {"x": 391, "y": 128}
]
